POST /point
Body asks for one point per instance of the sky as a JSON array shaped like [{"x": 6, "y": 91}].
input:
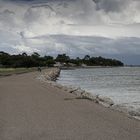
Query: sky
[{"x": 108, "y": 28}]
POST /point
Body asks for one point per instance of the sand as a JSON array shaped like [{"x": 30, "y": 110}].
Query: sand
[{"x": 33, "y": 110}]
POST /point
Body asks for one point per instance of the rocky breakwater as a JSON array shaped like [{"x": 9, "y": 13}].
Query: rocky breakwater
[
  {"x": 82, "y": 94},
  {"x": 105, "y": 101},
  {"x": 50, "y": 76}
]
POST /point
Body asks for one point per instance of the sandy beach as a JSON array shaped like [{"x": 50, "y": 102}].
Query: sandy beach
[{"x": 34, "y": 110}]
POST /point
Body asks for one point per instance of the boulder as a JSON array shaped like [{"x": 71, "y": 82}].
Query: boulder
[{"x": 105, "y": 101}]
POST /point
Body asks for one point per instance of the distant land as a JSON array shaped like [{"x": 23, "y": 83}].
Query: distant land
[{"x": 35, "y": 60}]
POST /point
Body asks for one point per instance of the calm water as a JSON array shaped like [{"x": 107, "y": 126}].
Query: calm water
[{"x": 121, "y": 84}]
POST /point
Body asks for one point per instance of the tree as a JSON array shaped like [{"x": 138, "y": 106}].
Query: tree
[
  {"x": 24, "y": 54},
  {"x": 87, "y": 57},
  {"x": 24, "y": 60},
  {"x": 63, "y": 58},
  {"x": 49, "y": 60},
  {"x": 35, "y": 55},
  {"x": 50, "y": 63},
  {"x": 48, "y": 57}
]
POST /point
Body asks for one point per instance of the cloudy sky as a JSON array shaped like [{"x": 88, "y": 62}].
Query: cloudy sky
[{"x": 109, "y": 28}]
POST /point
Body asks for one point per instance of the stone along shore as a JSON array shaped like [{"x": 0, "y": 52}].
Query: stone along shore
[{"x": 50, "y": 76}]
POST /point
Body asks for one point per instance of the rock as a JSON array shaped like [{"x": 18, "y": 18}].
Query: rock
[
  {"x": 79, "y": 92},
  {"x": 65, "y": 88},
  {"x": 91, "y": 97},
  {"x": 105, "y": 101},
  {"x": 120, "y": 108},
  {"x": 134, "y": 113},
  {"x": 71, "y": 90},
  {"x": 52, "y": 74},
  {"x": 59, "y": 86}
]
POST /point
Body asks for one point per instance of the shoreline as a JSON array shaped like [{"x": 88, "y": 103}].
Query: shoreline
[
  {"x": 52, "y": 76},
  {"x": 86, "y": 67},
  {"x": 92, "y": 67}
]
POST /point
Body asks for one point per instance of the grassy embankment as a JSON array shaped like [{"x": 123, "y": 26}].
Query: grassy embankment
[{"x": 10, "y": 71}]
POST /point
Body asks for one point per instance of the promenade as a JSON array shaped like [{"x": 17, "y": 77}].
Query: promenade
[{"x": 32, "y": 110}]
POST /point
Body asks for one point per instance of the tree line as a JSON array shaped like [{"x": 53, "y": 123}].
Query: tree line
[{"x": 35, "y": 60}]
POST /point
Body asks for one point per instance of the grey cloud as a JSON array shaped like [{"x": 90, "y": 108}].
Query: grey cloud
[
  {"x": 9, "y": 49},
  {"x": 101, "y": 45},
  {"x": 76, "y": 27},
  {"x": 33, "y": 13},
  {"x": 125, "y": 49},
  {"x": 7, "y": 12},
  {"x": 96, "y": 45},
  {"x": 6, "y": 16},
  {"x": 112, "y": 5}
]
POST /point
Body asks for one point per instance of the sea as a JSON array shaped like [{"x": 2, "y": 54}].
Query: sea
[{"x": 121, "y": 84}]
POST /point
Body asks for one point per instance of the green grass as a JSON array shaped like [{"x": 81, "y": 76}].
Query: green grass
[{"x": 10, "y": 71}]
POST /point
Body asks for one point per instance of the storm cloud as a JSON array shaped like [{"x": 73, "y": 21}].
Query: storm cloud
[{"x": 77, "y": 27}]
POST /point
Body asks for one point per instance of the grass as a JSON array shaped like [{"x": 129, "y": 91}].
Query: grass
[{"x": 10, "y": 71}]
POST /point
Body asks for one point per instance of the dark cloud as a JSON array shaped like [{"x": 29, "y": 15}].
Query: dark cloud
[
  {"x": 7, "y": 12},
  {"x": 111, "y": 5},
  {"x": 20, "y": 0}
]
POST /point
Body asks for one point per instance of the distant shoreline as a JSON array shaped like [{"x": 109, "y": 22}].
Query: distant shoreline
[{"x": 87, "y": 67}]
